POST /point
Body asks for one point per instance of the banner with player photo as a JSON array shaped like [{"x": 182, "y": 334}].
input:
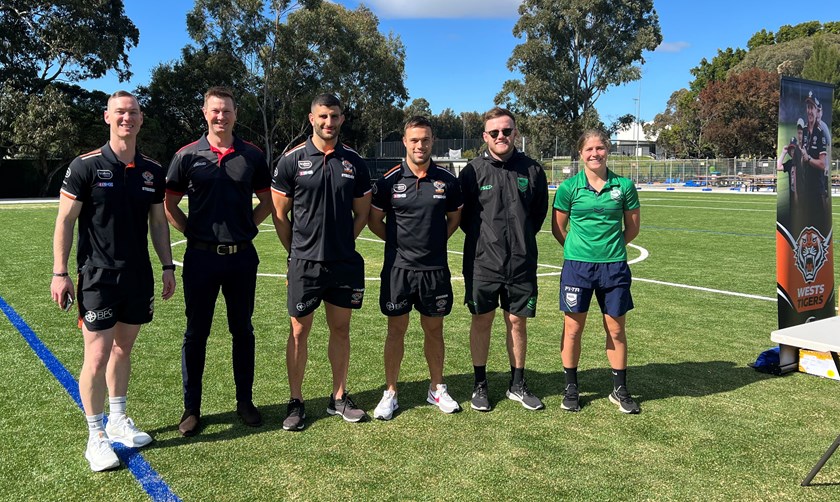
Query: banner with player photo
[{"x": 804, "y": 254}]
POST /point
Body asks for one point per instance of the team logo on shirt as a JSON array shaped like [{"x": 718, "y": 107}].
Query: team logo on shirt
[
  {"x": 522, "y": 184},
  {"x": 615, "y": 194},
  {"x": 349, "y": 170},
  {"x": 67, "y": 174},
  {"x": 440, "y": 186},
  {"x": 104, "y": 174},
  {"x": 148, "y": 178},
  {"x": 811, "y": 253}
]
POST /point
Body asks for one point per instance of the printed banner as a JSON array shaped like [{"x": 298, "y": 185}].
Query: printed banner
[{"x": 804, "y": 254}]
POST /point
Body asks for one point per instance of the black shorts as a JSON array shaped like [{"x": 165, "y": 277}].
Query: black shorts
[
  {"x": 107, "y": 296},
  {"x": 610, "y": 282},
  {"x": 341, "y": 283},
  {"x": 519, "y": 299},
  {"x": 428, "y": 291}
]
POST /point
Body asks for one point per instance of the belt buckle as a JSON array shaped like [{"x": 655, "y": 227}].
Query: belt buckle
[{"x": 222, "y": 249}]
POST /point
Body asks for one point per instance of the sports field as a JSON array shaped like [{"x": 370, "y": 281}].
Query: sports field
[{"x": 710, "y": 427}]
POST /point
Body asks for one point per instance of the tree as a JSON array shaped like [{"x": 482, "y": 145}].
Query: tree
[
  {"x": 716, "y": 69},
  {"x": 679, "y": 128},
  {"x": 172, "y": 101},
  {"x": 741, "y": 114},
  {"x": 802, "y": 30},
  {"x": 69, "y": 40},
  {"x": 418, "y": 106},
  {"x": 321, "y": 47},
  {"x": 761, "y": 38},
  {"x": 573, "y": 51}
]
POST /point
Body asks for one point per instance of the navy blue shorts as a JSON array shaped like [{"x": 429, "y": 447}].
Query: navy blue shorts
[
  {"x": 609, "y": 281},
  {"x": 428, "y": 291},
  {"x": 341, "y": 283}
]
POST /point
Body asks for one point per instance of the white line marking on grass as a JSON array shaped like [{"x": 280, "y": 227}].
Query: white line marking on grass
[
  {"x": 714, "y": 208},
  {"x": 643, "y": 255}
]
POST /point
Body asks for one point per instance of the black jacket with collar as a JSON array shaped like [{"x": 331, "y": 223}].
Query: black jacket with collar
[{"x": 505, "y": 205}]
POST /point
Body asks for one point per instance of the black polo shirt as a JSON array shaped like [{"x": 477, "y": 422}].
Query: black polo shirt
[
  {"x": 116, "y": 198},
  {"x": 415, "y": 222},
  {"x": 323, "y": 187},
  {"x": 219, "y": 188}
]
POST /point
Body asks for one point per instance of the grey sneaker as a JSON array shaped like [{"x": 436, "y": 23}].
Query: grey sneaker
[
  {"x": 571, "y": 401},
  {"x": 346, "y": 408},
  {"x": 295, "y": 415},
  {"x": 621, "y": 397},
  {"x": 480, "y": 401},
  {"x": 521, "y": 394}
]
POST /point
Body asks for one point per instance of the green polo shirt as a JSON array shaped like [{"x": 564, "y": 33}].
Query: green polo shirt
[{"x": 596, "y": 220}]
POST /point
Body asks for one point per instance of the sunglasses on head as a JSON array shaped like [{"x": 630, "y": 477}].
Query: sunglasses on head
[{"x": 505, "y": 132}]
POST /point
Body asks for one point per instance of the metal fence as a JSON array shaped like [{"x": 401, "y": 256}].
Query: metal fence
[{"x": 441, "y": 147}]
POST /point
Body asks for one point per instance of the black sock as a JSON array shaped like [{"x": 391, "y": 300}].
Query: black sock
[
  {"x": 619, "y": 378},
  {"x": 571, "y": 375},
  {"x": 518, "y": 376},
  {"x": 480, "y": 373}
]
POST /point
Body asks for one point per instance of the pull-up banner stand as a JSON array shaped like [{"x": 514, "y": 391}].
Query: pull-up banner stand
[{"x": 804, "y": 252}]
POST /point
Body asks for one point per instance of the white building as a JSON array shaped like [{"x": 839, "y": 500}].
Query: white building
[{"x": 634, "y": 142}]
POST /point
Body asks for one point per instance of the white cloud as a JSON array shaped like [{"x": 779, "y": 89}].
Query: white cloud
[
  {"x": 408, "y": 9},
  {"x": 672, "y": 46}
]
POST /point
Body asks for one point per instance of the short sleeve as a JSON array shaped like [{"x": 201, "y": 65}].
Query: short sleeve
[
  {"x": 631, "y": 197},
  {"x": 454, "y": 197},
  {"x": 261, "y": 179},
  {"x": 176, "y": 179},
  {"x": 381, "y": 195},
  {"x": 562, "y": 198},
  {"x": 77, "y": 181},
  {"x": 362, "y": 180},
  {"x": 282, "y": 179}
]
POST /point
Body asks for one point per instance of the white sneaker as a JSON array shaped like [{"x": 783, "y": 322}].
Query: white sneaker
[
  {"x": 385, "y": 409},
  {"x": 124, "y": 431},
  {"x": 441, "y": 398},
  {"x": 100, "y": 453}
]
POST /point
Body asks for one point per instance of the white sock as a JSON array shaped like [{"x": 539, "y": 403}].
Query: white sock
[
  {"x": 95, "y": 425},
  {"x": 116, "y": 407}
]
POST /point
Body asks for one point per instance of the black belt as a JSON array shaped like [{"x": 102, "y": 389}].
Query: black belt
[{"x": 220, "y": 249}]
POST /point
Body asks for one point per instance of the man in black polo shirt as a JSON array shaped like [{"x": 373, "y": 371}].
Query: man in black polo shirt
[
  {"x": 326, "y": 187},
  {"x": 505, "y": 204},
  {"x": 116, "y": 195},
  {"x": 220, "y": 173},
  {"x": 416, "y": 207}
]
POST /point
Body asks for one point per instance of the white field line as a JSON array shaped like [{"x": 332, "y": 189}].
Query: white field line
[{"x": 643, "y": 255}]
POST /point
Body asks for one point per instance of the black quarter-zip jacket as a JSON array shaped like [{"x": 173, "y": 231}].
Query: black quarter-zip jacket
[{"x": 505, "y": 205}]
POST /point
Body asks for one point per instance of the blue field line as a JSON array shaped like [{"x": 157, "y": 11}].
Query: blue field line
[{"x": 149, "y": 479}]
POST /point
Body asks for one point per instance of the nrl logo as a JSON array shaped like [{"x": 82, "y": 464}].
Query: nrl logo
[
  {"x": 304, "y": 164},
  {"x": 810, "y": 253}
]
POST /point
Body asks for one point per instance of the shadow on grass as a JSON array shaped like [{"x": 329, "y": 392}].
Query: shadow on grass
[{"x": 647, "y": 382}]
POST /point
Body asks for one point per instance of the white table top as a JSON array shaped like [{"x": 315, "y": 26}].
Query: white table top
[{"x": 822, "y": 335}]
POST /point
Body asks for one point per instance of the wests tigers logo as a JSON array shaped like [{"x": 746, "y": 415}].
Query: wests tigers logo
[{"x": 811, "y": 253}]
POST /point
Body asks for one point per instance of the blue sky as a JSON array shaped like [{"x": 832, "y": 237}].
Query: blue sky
[{"x": 457, "y": 50}]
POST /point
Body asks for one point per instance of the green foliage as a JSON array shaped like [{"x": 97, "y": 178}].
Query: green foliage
[
  {"x": 761, "y": 38},
  {"x": 71, "y": 40},
  {"x": 716, "y": 69},
  {"x": 802, "y": 30},
  {"x": 573, "y": 51}
]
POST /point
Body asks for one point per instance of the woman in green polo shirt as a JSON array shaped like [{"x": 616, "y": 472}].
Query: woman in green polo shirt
[{"x": 596, "y": 214}]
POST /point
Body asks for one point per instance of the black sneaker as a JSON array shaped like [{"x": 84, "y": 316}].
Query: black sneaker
[
  {"x": 295, "y": 415},
  {"x": 521, "y": 394},
  {"x": 571, "y": 401},
  {"x": 625, "y": 403},
  {"x": 249, "y": 414},
  {"x": 346, "y": 408},
  {"x": 480, "y": 401}
]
